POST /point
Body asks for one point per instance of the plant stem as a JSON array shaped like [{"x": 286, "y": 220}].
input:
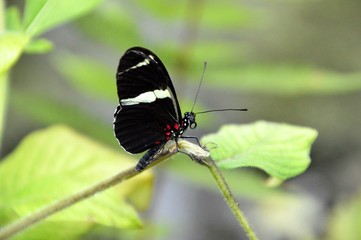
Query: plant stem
[
  {"x": 234, "y": 206},
  {"x": 3, "y": 78},
  {"x": 194, "y": 151},
  {"x": 36, "y": 217},
  {"x": 3, "y": 97},
  {"x": 2, "y": 16},
  {"x": 49, "y": 210},
  {"x": 201, "y": 156}
]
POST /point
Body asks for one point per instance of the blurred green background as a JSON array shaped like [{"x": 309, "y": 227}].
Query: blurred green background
[{"x": 286, "y": 61}]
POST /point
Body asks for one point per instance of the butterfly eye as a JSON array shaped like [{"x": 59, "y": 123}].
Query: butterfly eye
[{"x": 193, "y": 125}]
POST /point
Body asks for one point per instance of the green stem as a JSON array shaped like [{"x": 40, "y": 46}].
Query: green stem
[
  {"x": 194, "y": 151},
  {"x": 222, "y": 184},
  {"x": 2, "y": 16},
  {"x": 201, "y": 156},
  {"x": 3, "y": 78},
  {"x": 26, "y": 222},
  {"x": 3, "y": 98}
]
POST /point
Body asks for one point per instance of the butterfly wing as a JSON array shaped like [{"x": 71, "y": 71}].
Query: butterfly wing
[{"x": 147, "y": 101}]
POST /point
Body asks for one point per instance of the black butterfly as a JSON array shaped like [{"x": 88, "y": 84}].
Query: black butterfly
[{"x": 148, "y": 114}]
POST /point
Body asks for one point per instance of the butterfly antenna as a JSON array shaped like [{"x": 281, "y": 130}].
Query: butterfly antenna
[
  {"x": 199, "y": 86},
  {"x": 223, "y": 110}
]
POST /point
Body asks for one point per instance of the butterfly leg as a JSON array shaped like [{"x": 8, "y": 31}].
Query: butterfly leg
[
  {"x": 199, "y": 144},
  {"x": 198, "y": 160},
  {"x": 146, "y": 159}
]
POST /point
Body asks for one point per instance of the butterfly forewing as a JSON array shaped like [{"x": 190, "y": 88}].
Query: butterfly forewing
[{"x": 147, "y": 101}]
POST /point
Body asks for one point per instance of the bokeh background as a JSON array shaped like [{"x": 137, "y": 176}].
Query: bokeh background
[{"x": 296, "y": 62}]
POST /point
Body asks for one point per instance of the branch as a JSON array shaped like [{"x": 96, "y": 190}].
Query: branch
[
  {"x": 194, "y": 151},
  {"x": 4, "y": 81},
  {"x": 28, "y": 221},
  {"x": 201, "y": 156}
]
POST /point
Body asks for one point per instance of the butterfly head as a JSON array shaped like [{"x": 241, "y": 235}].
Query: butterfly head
[{"x": 189, "y": 120}]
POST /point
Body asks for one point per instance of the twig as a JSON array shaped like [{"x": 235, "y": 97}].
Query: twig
[
  {"x": 201, "y": 156},
  {"x": 51, "y": 209},
  {"x": 28, "y": 221},
  {"x": 194, "y": 151}
]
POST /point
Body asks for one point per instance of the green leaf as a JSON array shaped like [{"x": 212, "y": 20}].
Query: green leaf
[
  {"x": 87, "y": 75},
  {"x": 41, "y": 45},
  {"x": 345, "y": 220},
  {"x": 42, "y": 15},
  {"x": 11, "y": 47},
  {"x": 58, "y": 231},
  {"x": 51, "y": 164},
  {"x": 225, "y": 15},
  {"x": 243, "y": 182},
  {"x": 281, "y": 150},
  {"x": 13, "y": 19},
  {"x": 47, "y": 110},
  {"x": 216, "y": 14},
  {"x": 285, "y": 79},
  {"x": 163, "y": 9},
  {"x": 111, "y": 24}
]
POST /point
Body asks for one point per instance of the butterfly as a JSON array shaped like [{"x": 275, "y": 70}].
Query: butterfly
[{"x": 148, "y": 114}]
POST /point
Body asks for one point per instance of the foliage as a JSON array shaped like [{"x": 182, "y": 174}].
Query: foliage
[
  {"x": 21, "y": 34},
  {"x": 12, "y": 44},
  {"x": 60, "y": 156},
  {"x": 279, "y": 149},
  {"x": 345, "y": 220}
]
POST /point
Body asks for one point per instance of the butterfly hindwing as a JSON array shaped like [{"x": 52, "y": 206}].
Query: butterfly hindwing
[{"x": 147, "y": 101}]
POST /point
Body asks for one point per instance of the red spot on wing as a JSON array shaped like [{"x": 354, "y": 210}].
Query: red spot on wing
[{"x": 168, "y": 130}]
